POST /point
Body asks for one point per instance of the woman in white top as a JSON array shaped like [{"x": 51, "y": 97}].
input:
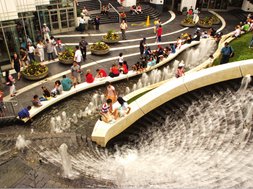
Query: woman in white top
[{"x": 40, "y": 50}]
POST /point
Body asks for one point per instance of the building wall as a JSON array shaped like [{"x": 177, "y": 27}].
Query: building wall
[
  {"x": 158, "y": 4},
  {"x": 188, "y": 4},
  {"x": 247, "y": 6},
  {"x": 8, "y": 10}
]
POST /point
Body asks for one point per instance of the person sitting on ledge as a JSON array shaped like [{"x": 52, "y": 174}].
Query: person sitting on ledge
[
  {"x": 36, "y": 101},
  {"x": 66, "y": 83},
  {"x": 100, "y": 73},
  {"x": 151, "y": 62},
  {"x": 24, "y": 113},
  {"x": 133, "y": 10},
  {"x": 180, "y": 70},
  {"x": 46, "y": 94},
  {"x": 114, "y": 71},
  {"x": 124, "y": 109},
  {"x": 139, "y": 9},
  {"x": 107, "y": 113},
  {"x": 125, "y": 67},
  {"x": 89, "y": 77},
  {"x": 57, "y": 90}
]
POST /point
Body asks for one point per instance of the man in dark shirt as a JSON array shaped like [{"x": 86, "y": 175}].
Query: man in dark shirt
[
  {"x": 142, "y": 45},
  {"x": 226, "y": 53},
  {"x": 83, "y": 47},
  {"x": 24, "y": 113}
]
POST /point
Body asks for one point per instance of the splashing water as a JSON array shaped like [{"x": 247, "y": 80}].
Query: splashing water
[
  {"x": 208, "y": 145},
  {"x": 21, "y": 143}
]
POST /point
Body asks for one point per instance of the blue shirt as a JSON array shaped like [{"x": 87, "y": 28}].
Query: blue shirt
[
  {"x": 226, "y": 50},
  {"x": 66, "y": 84},
  {"x": 24, "y": 113}
]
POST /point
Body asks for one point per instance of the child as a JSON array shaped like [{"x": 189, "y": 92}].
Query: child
[
  {"x": 107, "y": 113},
  {"x": 59, "y": 44}
]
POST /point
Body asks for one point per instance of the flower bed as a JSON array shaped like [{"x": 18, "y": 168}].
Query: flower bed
[
  {"x": 35, "y": 71},
  {"x": 67, "y": 56},
  {"x": 111, "y": 37},
  {"x": 207, "y": 22},
  {"x": 99, "y": 48},
  {"x": 188, "y": 22}
]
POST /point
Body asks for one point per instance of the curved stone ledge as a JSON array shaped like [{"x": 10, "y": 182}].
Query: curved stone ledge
[
  {"x": 84, "y": 86},
  {"x": 103, "y": 132}
]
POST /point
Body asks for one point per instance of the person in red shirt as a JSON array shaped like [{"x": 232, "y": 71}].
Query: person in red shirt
[
  {"x": 159, "y": 32},
  {"x": 125, "y": 67},
  {"x": 101, "y": 73},
  {"x": 114, "y": 71},
  {"x": 89, "y": 77}
]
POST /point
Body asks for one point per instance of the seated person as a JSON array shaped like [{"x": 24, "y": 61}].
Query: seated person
[
  {"x": 167, "y": 51},
  {"x": 46, "y": 94},
  {"x": 188, "y": 39},
  {"x": 57, "y": 90},
  {"x": 100, "y": 73},
  {"x": 139, "y": 9},
  {"x": 180, "y": 70},
  {"x": 133, "y": 10},
  {"x": 147, "y": 51},
  {"x": 151, "y": 62},
  {"x": 137, "y": 67},
  {"x": 89, "y": 77},
  {"x": 107, "y": 113},
  {"x": 197, "y": 36},
  {"x": 124, "y": 109},
  {"x": 66, "y": 83},
  {"x": 237, "y": 32},
  {"x": 173, "y": 48},
  {"x": 179, "y": 43},
  {"x": 36, "y": 101},
  {"x": 246, "y": 27},
  {"x": 114, "y": 71},
  {"x": 24, "y": 113},
  {"x": 125, "y": 67},
  {"x": 211, "y": 32}
]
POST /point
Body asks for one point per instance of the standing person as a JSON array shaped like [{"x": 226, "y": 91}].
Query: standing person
[
  {"x": 142, "y": 46},
  {"x": 97, "y": 22},
  {"x": 23, "y": 56},
  {"x": 226, "y": 52},
  {"x": 50, "y": 50},
  {"x": 76, "y": 73},
  {"x": 66, "y": 83},
  {"x": 195, "y": 15},
  {"x": 11, "y": 83},
  {"x": 53, "y": 41},
  {"x": 123, "y": 28},
  {"x": 45, "y": 32},
  {"x": 81, "y": 24},
  {"x": 16, "y": 64},
  {"x": 24, "y": 113},
  {"x": 40, "y": 50},
  {"x": 120, "y": 59},
  {"x": 1, "y": 102},
  {"x": 110, "y": 92},
  {"x": 83, "y": 47},
  {"x": 78, "y": 55},
  {"x": 59, "y": 44},
  {"x": 159, "y": 33},
  {"x": 31, "y": 52}
]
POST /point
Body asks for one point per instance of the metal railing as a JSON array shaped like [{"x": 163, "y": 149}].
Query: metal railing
[
  {"x": 7, "y": 110},
  {"x": 110, "y": 5},
  {"x": 100, "y": 4}
]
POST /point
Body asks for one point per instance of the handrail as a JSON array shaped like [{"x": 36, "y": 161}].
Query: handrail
[
  {"x": 114, "y": 10},
  {"x": 100, "y": 4}
]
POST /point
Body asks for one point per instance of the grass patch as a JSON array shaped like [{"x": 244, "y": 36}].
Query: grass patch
[
  {"x": 241, "y": 49},
  {"x": 137, "y": 96}
]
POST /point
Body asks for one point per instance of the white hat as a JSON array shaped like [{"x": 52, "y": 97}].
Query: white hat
[
  {"x": 181, "y": 64},
  {"x": 44, "y": 24},
  {"x": 198, "y": 28}
]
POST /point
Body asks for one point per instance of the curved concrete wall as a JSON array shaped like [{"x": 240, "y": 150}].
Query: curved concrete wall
[
  {"x": 84, "y": 86},
  {"x": 103, "y": 132}
]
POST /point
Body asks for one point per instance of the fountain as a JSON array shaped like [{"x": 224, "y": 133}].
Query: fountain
[
  {"x": 208, "y": 144},
  {"x": 21, "y": 143}
]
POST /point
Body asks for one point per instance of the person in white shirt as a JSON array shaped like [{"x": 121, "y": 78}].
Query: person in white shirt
[
  {"x": 45, "y": 31},
  {"x": 40, "y": 50},
  {"x": 123, "y": 28},
  {"x": 237, "y": 32},
  {"x": 78, "y": 55},
  {"x": 31, "y": 52},
  {"x": 81, "y": 24}
]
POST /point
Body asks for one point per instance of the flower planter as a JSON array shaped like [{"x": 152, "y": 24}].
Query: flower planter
[
  {"x": 110, "y": 41},
  {"x": 35, "y": 77},
  {"x": 66, "y": 61},
  {"x": 187, "y": 24},
  {"x": 100, "y": 52},
  {"x": 204, "y": 26},
  {"x": 216, "y": 22}
]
